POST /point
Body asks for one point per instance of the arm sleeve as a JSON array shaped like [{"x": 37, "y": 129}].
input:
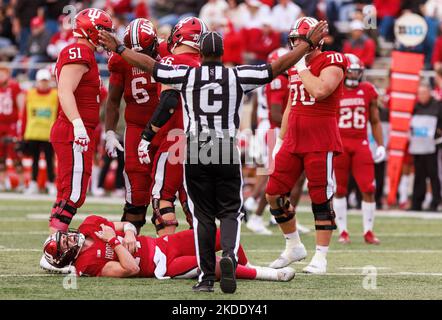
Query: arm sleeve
[
  {"x": 252, "y": 77},
  {"x": 173, "y": 76}
]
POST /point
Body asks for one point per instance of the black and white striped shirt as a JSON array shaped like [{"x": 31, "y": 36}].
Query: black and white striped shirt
[{"x": 212, "y": 94}]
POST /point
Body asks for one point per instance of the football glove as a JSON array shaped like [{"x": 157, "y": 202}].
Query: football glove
[
  {"x": 380, "y": 154},
  {"x": 112, "y": 144},
  {"x": 143, "y": 151},
  {"x": 81, "y": 139}
]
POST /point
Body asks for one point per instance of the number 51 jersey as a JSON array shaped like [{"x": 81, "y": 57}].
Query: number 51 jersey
[{"x": 312, "y": 124}]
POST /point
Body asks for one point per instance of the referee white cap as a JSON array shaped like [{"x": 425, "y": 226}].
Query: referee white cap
[{"x": 212, "y": 44}]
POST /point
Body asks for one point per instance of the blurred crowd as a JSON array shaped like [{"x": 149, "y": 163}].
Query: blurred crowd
[{"x": 33, "y": 32}]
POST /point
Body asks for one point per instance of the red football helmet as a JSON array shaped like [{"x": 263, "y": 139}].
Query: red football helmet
[
  {"x": 301, "y": 28},
  {"x": 62, "y": 248},
  {"x": 88, "y": 22},
  {"x": 276, "y": 54},
  {"x": 355, "y": 70},
  {"x": 187, "y": 31},
  {"x": 141, "y": 35}
]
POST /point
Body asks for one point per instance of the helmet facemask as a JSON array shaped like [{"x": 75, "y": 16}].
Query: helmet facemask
[
  {"x": 353, "y": 77},
  {"x": 68, "y": 247}
]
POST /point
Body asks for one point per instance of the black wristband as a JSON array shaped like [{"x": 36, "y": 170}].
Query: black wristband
[
  {"x": 120, "y": 49},
  {"x": 312, "y": 46},
  {"x": 148, "y": 134}
]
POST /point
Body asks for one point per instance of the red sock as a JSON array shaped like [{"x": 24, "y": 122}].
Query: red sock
[
  {"x": 242, "y": 258},
  {"x": 243, "y": 272}
]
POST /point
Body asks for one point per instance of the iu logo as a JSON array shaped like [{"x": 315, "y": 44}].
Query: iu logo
[{"x": 94, "y": 14}]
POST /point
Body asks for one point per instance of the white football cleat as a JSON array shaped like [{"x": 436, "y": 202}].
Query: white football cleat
[
  {"x": 272, "y": 221},
  {"x": 286, "y": 274},
  {"x": 250, "y": 204},
  {"x": 316, "y": 266},
  {"x": 289, "y": 256},
  {"x": 52, "y": 189},
  {"x": 256, "y": 225},
  {"x": 46, "y": 266}
]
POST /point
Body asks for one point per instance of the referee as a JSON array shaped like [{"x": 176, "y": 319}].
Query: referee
[{"x": 212, "y": 97}]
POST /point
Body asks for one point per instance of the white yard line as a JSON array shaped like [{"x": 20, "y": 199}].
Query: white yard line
[
  {"x": 367, "y": 251},
  {"x": 27, "y": 275},
  {"x": 44, "y": 197}
]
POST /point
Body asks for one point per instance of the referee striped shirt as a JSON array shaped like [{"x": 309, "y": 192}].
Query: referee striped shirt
[{"x": 212, "y": 94}]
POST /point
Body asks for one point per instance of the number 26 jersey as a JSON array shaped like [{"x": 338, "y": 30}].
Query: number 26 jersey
[{"x": 312, "y": 124}]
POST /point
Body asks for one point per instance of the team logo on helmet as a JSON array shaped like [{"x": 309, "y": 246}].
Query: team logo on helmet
[
  {"x": 62, "y": 248},
  {"x": 301, "y": 29},
  {"x": 187, "y": 31},
  {"x": 141, "y": 35}
]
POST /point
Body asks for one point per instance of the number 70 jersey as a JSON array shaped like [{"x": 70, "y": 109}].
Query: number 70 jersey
[
  {"x": 302, "y": 102},
  {"x": 140, "y": 90}
]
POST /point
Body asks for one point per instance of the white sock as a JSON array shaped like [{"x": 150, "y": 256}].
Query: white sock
[
  {"x": 368, "y": 209},
  {"x": 340, "y": 207},
  {"x": 292, "y": 240},
  {"x": 321, "y": 252},
  {"x": 94, "y": 177},
  {"x": 403, "y": 188},
  {"x": 265, "y": 273}
]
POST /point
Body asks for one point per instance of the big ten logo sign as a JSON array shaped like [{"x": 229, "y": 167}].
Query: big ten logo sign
[{"x": 410, "y": 29}]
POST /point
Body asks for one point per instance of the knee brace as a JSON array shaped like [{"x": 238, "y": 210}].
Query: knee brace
[
  {"x": 324, "y": 212},
  {"x": 61, "y": 215},
  {"x": 283, "y": 213},
  {"x": 158, "y": 215},
  {"x": 135, "y": 215},
  {"x": 188, "y": 214}
]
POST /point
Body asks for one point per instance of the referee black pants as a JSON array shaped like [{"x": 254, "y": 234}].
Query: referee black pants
[
  {"x": 215, "y": 191},
  {"x": 425, "y": 166}
]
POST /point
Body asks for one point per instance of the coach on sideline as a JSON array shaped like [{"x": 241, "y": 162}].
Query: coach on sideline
[{"x": 212, "y": 94}]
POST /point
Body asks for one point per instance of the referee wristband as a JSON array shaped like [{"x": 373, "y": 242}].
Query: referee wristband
[{"x": 114, "y": 242}]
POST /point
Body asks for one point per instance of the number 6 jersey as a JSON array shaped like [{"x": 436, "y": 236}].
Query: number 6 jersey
[{"x": 312, "y": 124}]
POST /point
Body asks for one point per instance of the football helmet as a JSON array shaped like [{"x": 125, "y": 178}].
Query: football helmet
[
  {"x": 187, "y": 31},
  {"x": 87, "y": 24},
  {"x": 301, "y": 28},
  {"x": 276, "y": 54},
  {"x": 355, "y": 70},
  {"x": 141, "y": 35},
  {"x": 62, "y": 248}
]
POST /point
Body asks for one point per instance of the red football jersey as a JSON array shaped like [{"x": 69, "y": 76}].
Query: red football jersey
[
  {"x": 140, "y": 90},
  {"x": 312, "y": 125},
  {"x": 188, "y": 59},
  {"x": 8, "y": 103},
  {"x": 354, "y": 110},
  {"x": 277, "y": 92},
  {"x": 92, "y": 260},
  {"x": 87, "y": 94}
]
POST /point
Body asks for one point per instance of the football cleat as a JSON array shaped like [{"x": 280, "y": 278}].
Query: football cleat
[
  {"x": 228, "y": 277},
  {"x": 256, "y": 225},
  {"x": 286, "y": 274},
  {"x": 46, "y": 266},
  {"x": 316, "y": 266},
  {"x": 289, "y": 256},
  {"x": 302, "y": 229},
  {"x": 344, "y": 237},
  {"x": 370, "y": 238}
]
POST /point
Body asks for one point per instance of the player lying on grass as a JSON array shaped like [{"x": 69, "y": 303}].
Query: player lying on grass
[{"x": 113, "y": 249}]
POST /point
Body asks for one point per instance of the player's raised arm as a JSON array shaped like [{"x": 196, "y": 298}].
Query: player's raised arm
[
  {"x": 311, "y": 41},
  {"x": 139, "y": 60}
]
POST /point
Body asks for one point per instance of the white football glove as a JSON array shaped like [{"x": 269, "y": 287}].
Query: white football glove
[
  {"x": 143, "y": 151},
  {"x": 278, "y": 145},
  {"x": 112, "y": 144},
  {"x": 301, "y": 65},
  {"x": 81, "y": 139},
  {"x": 380, "y": 154}
]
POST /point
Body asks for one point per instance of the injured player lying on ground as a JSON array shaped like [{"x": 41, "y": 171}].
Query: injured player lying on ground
[{"x": 113, "y": 249}]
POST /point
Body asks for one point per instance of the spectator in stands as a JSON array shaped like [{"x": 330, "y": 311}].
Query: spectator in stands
[
  {"x": 36, "y": 49},
  {"x": 360, "y": 44},
  {"x": 233, "y": 45},
  {"x": 60, "y": 39},
  {"x": 233, "y": 13},
  {"x": 253, "y": 14},
  {"x": 426, "y": 125},
  {"x": 309, "y": 7},
  {"x": 53, "y": 10},
  {"x": 262, "y": 41},
  {"x": 40, "y": 114},
  {"x": 7, "y": 39},
  {"x": 24, "y": 12},
  {"x": 387, "y": 11},
  {"x": 119, "y": 7},
  {"x": 284, "y": 14},
  {"x": 171, "y": 11},
  {"x": 213, "y": 12},
  {"x": 142, "y": 9}
]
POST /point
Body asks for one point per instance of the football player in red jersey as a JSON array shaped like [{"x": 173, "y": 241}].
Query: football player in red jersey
[
  {"x": 72, "y": 134},
  {"x": 167, "y": 176},
  {"x": 358, "y": 105},
  {"x": 140, "y": 93},
  {"x": 99, "y": 248},
  {"x": 11, "y": 102},
  {"x": 309, "y": 144}
]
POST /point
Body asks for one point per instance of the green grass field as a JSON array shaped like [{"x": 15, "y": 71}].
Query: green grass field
[{"x": 408, "y": 262}]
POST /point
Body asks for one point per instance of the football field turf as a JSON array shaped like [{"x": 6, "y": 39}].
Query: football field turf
[{"x": 407, "y": 264}]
